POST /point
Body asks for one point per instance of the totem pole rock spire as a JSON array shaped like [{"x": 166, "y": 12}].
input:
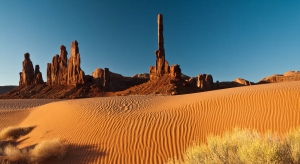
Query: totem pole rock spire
[
  {"x": 160, "y": 53},
  {"x": 160, "y": 33},
  {"x": 162, "y": 66}
]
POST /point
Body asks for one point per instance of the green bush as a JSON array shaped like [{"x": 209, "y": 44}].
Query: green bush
[{"x": 245, "y": 147}]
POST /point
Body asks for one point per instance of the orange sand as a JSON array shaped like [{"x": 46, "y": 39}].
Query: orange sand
[{"x": 152, "y": 129}]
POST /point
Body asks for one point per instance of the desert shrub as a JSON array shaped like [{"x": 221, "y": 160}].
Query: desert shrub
[
  {"x": 13, "y": 133},
  {"x": 245, "y": 146},
  {"x": 47, "y": 149}
]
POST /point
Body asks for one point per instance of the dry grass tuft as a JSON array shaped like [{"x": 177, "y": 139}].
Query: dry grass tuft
[
  {"x": 47, "y": 149},
  {"x": 13, "y": 133},
  {"x": 245, "y": 146},
  {"x": 41, "y": 152}
]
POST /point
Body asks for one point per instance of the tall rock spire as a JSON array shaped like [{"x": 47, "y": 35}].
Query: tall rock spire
[
  {"x": 160, "y": 32},
  {"x": 160, "y": 53},
  {"x": 75, "y": 74}
]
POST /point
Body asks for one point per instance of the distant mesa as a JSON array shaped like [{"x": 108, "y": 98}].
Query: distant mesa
[
  {"x": 4, "y": 89},
  {"x": 276, "y": 78},
  {"x": 292, "y": 73},
  {"x": 143, "y": 75}
]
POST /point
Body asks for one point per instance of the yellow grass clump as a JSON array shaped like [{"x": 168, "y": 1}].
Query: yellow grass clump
[{"x": 245, "y": 146}]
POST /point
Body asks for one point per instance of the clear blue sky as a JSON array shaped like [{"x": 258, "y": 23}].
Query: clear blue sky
[{"x": 228, "y": 39}]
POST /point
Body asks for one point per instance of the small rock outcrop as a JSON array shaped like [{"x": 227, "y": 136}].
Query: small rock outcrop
[
  {"x": 27, "y": 75},
  {"x": 242, "y": 81},
  {"x": 205, "y": 82},
  {"x": 175, "y": 71},
  {"x": 162, "y": 66},
  {"x": 102, "y": 78}
]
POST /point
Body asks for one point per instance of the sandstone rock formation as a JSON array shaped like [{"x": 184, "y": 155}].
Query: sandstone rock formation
[
  {"x": 63, "y": 66},
  {"x": 205, "y": 82},
  {"x": 66, "y": 71},
  {"x": 38, "y": 75},
  {"x": 102, "y": 78},
  {"x": 49, "y": 74},
  {"x": 27, "y": 75},
  {"x": 160, "y": 53},
  {"x": 242, "y": 81},
  {"x": 98, "y": 76},
  {"x": 175, "y": 71},
  {"x": 75, "y": 74},
  {"x": 106, "y": 84},
  {"x": 57, "y": 71},
  {"x": 192, "y": 80},
  {"x": 162, "y": 66},
  {"x": 30, "y": 76}
]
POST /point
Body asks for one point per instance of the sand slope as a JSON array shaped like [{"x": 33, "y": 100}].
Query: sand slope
[{"x": 152, "y": 129}]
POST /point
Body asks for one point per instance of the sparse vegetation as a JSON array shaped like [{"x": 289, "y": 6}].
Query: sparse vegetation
[
  {"x": 41, "y": 152},
  {"x": 245, "y": 146}
]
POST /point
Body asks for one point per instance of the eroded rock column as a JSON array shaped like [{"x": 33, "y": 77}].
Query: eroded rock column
[
  {"x": 27, "y": 75},
  {"x": 75, "y": 74},
  {"x": 63, "y": 66}
]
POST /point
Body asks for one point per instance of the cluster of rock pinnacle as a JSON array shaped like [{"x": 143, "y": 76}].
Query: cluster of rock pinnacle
[{"x": 64, "y": 71}]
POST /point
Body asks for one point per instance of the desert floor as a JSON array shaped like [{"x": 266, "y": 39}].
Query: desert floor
[{"x": 152, "y": 128}]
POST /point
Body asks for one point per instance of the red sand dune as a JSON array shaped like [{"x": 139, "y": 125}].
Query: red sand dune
[{"x": 152, "y": 129}]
